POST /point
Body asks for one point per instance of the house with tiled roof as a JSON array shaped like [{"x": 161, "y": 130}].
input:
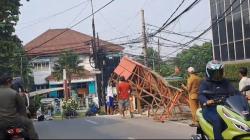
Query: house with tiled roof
[{"x": 45, "y": 49}]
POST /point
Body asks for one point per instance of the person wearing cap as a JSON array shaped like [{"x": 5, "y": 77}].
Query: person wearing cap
[{"x": 193, "y": 84}]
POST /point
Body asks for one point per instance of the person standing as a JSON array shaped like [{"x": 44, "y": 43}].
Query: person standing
[
  {"x": 244, "y": 81},
  {"x": 124, "y": 91},
  {"x": 110, "y": 99},
  {"x": 193, "y": 84}
]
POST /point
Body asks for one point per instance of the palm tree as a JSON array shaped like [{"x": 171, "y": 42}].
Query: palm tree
[{"x": 70, "y": 62}]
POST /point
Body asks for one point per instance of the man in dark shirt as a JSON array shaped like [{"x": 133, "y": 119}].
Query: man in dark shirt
[{"x": 12, "y": 108}]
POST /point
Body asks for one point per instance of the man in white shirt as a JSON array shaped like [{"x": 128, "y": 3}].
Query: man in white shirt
[
  {"x": 110, "y": 99},
  {"x": 244, "y": 80}
]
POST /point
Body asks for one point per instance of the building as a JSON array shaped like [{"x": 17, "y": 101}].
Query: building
[
  {"x": 231, "y": 34},
  {"x": 44, "y": 55}
]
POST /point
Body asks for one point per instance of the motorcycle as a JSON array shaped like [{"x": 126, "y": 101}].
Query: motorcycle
[
  {"x": 234, "y": 111},
  {"x": 14, "y": 133},
  {"x": 93, "y": 110}
]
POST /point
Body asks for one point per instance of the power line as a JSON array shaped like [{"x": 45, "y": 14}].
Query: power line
[
  {"x": 38, "y": 21},
  {"x": 167, "y": 23},
  {"x": 72, "y": 26},
  {"x": 83, "y": 9},
  {"x": 182, "y": 2},
  {"x": 179, "y": 34},
  {"x": 223, "y": 15}
]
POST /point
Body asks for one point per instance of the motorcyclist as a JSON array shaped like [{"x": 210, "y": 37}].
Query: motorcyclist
[
  {"x": 12, "y": 108},
  {"x": 18, "y": 85},
  {"x": 216, "y": 83}
]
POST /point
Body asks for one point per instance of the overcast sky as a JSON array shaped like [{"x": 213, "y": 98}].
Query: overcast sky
[{"x": 120, "y": 18}]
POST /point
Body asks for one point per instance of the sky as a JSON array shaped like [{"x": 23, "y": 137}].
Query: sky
[{"x": 122, "y": 18}]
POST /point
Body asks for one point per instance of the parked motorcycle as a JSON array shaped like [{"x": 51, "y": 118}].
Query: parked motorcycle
[
  {"x": 93, "y": 110},
  {"x": 234, "y": 111}
]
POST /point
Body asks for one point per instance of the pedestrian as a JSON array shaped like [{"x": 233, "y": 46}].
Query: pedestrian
[
  {"x": 110, "y": 99},
  {"x": 244, "y": 81},
  {"x": 124, "y": 91},
  {"x": 193, "y": 84}
]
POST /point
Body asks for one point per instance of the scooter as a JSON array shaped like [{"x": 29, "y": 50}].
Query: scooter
[
  {"x": 234, "y": 111},
  {"x": 14, "y": 133}
]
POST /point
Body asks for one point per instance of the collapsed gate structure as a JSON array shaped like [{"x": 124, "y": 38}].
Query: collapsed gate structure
[{"x": 162, "y": 100}]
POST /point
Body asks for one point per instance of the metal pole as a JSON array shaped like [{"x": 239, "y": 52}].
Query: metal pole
[
  {"x": 95, "y": 51},
  {"x": 144, "y": 38},
  {"x": 94, "y": 39}
]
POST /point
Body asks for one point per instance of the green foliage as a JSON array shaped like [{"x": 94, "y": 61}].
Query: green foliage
[
  {"x": 196, "y": 56},
  {"x": 167, "y": 69},
  {"x": 70, "y": 62},
  {"x": 35, "y": 104},
  {"x": 231, "y": 71},
  {"x": 12, "y": 56},
  {"x": 9, "y": 15},
  {"x": 69, "y": 106},
  {"x": 152, "y": 57}
]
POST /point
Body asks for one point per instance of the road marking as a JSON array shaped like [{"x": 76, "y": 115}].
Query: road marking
[
  {"x": 92, "y": 122},
  {"x": 131, "y": 138}
]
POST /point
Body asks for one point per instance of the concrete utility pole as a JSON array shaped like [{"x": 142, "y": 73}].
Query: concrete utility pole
[
  {"x": 144, "y": 39},
  {"x": 65, "y": 85},
  {"x": 95, "y": 56},
  {"x": 94, "y": 39},
  {"x": 159, "y": 56}
]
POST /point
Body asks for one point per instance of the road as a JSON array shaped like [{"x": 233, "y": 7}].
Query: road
[{"x": 112, "y": 127}]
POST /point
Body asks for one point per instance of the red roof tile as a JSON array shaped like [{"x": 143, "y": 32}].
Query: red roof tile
[{"x": 68, "y": 40}]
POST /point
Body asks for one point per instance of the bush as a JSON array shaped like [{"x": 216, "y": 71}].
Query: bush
[
  {"x": 69, "y": 107},
  {"x": 232, "y": 70}
]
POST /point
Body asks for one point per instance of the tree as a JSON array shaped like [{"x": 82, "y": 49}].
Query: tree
[
  {"x": 197, "y": 57},
  {"x": 70, "y": 62},
  {"x": 12, "y": 56},
  {"x": 152, "y": 57}
]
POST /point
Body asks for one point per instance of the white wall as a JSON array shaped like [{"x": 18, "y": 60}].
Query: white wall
[{"x": 41, "y": 74}]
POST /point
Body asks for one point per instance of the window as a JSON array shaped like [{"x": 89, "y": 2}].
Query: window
[
  {"x": 224, "y": 52},
  {"x": 227, "y": 5},
  {"x": 213, "y": 9},
  {"x": 222, "y": 28},
  {"x": 231, "y": 51},
  {"x": 247, "y": 47},
  {"x": 215, "y": 34},
  {"x": 237, "y": 21},
  {"x": 229, "y": 28},
  {"x": 217, "y": 52},
  {"x": 246, "y": 19},
  {"x": 239, "y": 50}
]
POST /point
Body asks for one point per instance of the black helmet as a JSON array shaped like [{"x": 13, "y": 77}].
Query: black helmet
[
  {"x": 214, "y": 70},
  {"x": 17, "y": 84},
  {"x": 5, "y": 78}
]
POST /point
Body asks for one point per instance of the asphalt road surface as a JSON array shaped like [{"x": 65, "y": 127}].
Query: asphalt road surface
[{"x": 112, "y": 127}]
